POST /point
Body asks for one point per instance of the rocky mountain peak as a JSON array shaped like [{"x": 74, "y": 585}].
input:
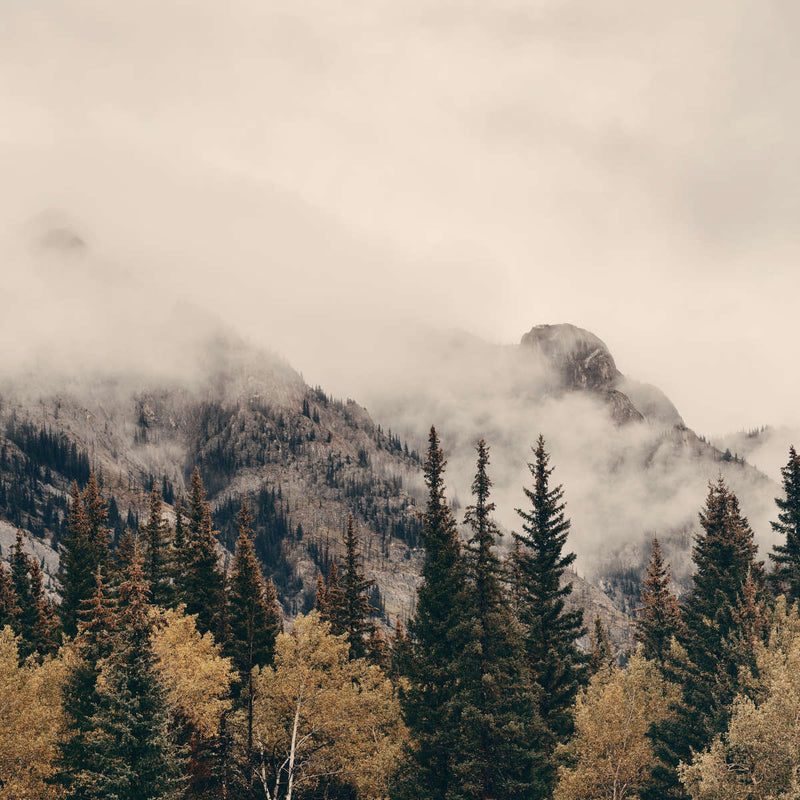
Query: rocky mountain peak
[{"x": 580, "y": 358}]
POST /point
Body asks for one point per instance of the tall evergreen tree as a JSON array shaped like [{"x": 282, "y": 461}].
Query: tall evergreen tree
[
  {"x": 551, "y": 631},
  {"x": 601, "y": 651},
  {"x": 76, "y": 573},
  {"x": 84, "y": 550},
  {"x": 357, "y": 608},
  {"x": 659, "y": 618},
  {"x": 201, "y": 584},
  {"x": 715, "y": 616},
  {"x": 157, "y": 536},
  {"x": 253, "y": 616},
  {"x": 333, "y": 607},
  {"x": 435, "y": 639},
  {"x": 786, "y": 554},
  {"x": 499, "y": 753},
  {"x": 96, "y": 514},
  {"x": 81, "y": 698},
  {"x": 131, "y": 752}
]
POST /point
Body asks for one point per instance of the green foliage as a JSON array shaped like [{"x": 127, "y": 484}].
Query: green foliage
[
  {"x": 84, "y": 550},
  {"x": 200, "y": 583},
  {"x": 786, "y": 554},
  {"x": 357, "y": 609},
  {"x": 157, "y": 537},
  {"x": 551, "y": 631},
  {"x": 659, "y": 618},
  {"x": 435, "y": 640},
  {"x": 130, "y": 751},
  {"x": 723, "y": 618},
  {"x": 499, "y": 752}
]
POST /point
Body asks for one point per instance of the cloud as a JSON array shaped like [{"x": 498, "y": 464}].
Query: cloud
[{"x": 318, "y": 176}]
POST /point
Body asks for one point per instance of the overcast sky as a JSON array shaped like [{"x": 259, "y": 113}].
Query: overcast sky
[{"x": 323, "y": 174}]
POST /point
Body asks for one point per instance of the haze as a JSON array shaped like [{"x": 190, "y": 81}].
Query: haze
[{"x": 324, "y": 177}]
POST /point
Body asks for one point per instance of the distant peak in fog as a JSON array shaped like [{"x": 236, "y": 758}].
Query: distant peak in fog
[{"x": 581, "y": 358}]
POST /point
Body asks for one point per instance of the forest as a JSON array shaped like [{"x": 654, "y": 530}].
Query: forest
[{"x": 158, "y": 674}]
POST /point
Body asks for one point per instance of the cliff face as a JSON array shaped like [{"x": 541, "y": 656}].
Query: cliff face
[{"x": 582, "y": 363}]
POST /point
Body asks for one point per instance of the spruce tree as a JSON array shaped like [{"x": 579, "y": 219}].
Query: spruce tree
[
  {"x": 601, "y": 651},
  {"x": 77, "y": 570},
  {"x": 435, "y": 639},
  {"x": 157, "y": 536},
  {"x": 715, "y": 615},
  {"x": 76, "y": 760},
  {"x": 551, "y": 631},
  {"x": 131, "y": 752},
  {"x": 84, "y": 550},
  {"x": 659, "y": 618},
  {"x": 357, "y": 608},
  {"x": 9, "y": 610},
  {"x": 499, "y": 752},
  {"x": 201, "y": 584},
  {"x": 786, "y": 554},
  {"x": 254, "y": 623},
  {"x": 335, "y": 606}
]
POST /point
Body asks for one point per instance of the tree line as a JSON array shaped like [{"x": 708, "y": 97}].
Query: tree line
[{"x": 161, "y": 675}]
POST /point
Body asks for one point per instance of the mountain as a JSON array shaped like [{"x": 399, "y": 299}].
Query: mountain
[
  {"x": 252, "y": 426},
  {"x": 630, "y": 467}
]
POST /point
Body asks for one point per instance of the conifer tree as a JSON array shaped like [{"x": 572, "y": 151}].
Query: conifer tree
[
  {"x": 786, "y": 554},
  {"x": 601, "y": 651},
  {"x": 357, "y": 608},
  {"x": 9, "y": 610},
  {"x": 75, "y": 574},
  {"x": 156, "y": 534},
  {"x": 716, "y": 614},
  {"x": 201, "y": 584},
  {"x": 499, "y": 752},
  {"x": 254, "y": 624},
  {"x": 96, "y": 515},
  {"x": 131, "y": 753},
  {"x": 45, "y": 633},
  {"x": 321, "y": 597},
  {"x": 28, "y": 610},
  {"x": 659, "y": 618},
  {"x": 81, "y": 699},
  {"x": 435, "y": 639},
  {"x": 335, "y": 606},
  {"x": 551, "y": 631},
  {"x": 84, "y": 550}
]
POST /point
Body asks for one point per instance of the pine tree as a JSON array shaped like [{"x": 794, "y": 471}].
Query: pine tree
[
  {"x": 254, "y": 625},
  {"x": 659, "y": 618},
  {"x": 98, "y": 532},
  {"x": 76, "y": 575},
  {"x": 786, "y": 555},
  {"x": 715, "y": 616},
  {"x": 131, "y": 752},
  {"x": 84, "y": 550},
  {"x": 601, "y": 651},
  {"x": 321, "y": 597},
  {"x": 157, "y": 540},
  {"x": 81, "y": 699},
  {"x": 435, "y": 638},
  {"x": 9, "y": 610},
  {"x": 551, "y": 631},
  {"x": 499, "y": 752},
  {"x": 357, "y": 608},
  {"x": 201, "y": 584},
  {"x": 335, "y": 609}
]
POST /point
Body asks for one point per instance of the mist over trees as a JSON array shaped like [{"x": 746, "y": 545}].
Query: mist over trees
[{"x": 156, "y": 673}]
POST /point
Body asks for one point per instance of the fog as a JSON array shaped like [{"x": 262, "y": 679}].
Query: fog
[{"x": 323, "y": 179}]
